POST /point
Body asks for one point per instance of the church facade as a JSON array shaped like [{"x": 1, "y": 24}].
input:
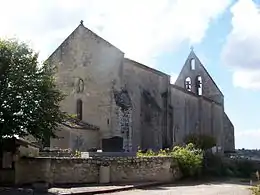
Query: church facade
[{"x": 132, "y": 104}]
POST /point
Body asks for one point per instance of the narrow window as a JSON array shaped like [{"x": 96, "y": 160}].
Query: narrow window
[
  {"x": 199, "y": 85},
  {"x": 192, "y": 64},
  {"x": 188, "y": 83},
  {"x": 79, "y": 109}
]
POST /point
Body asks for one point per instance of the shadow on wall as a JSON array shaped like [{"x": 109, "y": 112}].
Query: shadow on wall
[{"x": 113, "y": 144}]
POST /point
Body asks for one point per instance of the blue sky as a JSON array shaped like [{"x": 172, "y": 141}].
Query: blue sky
[{"x": 225, "y": 35}]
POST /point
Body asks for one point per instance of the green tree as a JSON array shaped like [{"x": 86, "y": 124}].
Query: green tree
[
  {"x": 29, "y": 99},
  {"x": 201, "y": 141}
]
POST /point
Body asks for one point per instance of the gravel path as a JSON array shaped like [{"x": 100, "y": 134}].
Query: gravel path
[{"x": 202, "y": 189}]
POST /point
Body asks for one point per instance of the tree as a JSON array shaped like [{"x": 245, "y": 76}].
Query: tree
[
  {"x": 203, "y": 142},
  {"x": 29, "y": 99}
]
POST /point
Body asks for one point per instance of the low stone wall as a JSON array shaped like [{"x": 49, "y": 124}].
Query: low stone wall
[
  {"x": 109, "y": 154},
  {"x": 161, "y": 169},
  {"x": 78, "y": 170},
  {"x": 59, "y": 153}
]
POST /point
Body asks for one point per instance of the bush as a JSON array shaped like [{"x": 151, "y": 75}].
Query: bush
[
  {"x": 256, "y": 190},
  {"x": 217, "y": 165},
  {"x": 188, "y": 157},
  {"x": 203, "y": 142},
  {"x": 213, "y": 165}
]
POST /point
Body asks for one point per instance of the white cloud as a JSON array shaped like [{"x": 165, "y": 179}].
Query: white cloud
[
  {"x": 247, "y": 79},
  {"x": 242, "y": 48},
  {"x": 142, "y": 29},
  {"x": 242, "y": 139}
]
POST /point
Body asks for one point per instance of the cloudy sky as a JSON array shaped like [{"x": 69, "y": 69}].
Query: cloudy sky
[{"x": 225, "y": 35}]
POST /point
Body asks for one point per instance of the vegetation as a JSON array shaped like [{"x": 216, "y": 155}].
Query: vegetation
[
  {"x": 203, "y": 142},
  {"x": 188, "y": 157},
  {"x": 29, "y": 98},
  {"x": 256, "y": 190},
  {"x": 216, "y": 165}
]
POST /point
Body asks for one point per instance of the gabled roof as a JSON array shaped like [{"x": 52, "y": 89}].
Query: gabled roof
[
  {"x": 158, "y": 72},
  {"x": 193, "y": 55},
  {"x": 89, "y": 31},
  {"x": 78, "y": 124}
]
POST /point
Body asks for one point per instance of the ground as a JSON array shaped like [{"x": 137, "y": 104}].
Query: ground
[
  {"x": 224, "y": 187},
  {"x": 213, "y": 188}
]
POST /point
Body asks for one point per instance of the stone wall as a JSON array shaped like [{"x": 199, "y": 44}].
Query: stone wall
[
  {"x": 87, "y": 69},
  {"x": 78, "y": 170},
  {"x": 133, "y": 102},
  {"x": 145, "y": 87},
  {"x": 161, "y": 169},
  {"x": 229, "y": 142},
  {"x": 75, "y": 139},
  {"x": 195, "y": 114},
  {"x": 209, "y": 87}
]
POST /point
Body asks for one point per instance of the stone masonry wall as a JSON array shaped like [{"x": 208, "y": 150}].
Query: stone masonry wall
[
  {"x": 87, "y": 68},
  {"x": 209, "y": 87},
  {"x": 78, "y": 170},
  {"x": 161, "y": 169},
  {"x": 195, "y": 114},
  {"x": 229, "y": 142},
  {"x": 145, "y": 87}
]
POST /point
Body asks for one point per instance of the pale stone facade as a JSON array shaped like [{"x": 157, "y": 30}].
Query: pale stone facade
[
  {"x": 76, "y": 137},
  {"x": 135, "y": 103}
]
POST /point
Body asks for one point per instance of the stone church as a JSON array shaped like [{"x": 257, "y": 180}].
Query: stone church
[{"x": 121, "y": 104}]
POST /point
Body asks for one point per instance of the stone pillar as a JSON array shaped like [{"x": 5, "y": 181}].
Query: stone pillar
[{"x": 104, "y": 174}]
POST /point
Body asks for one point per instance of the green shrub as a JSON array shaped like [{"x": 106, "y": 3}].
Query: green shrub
[
  {"x": 201, "y": 141},
  {"x": 256, "y": 190},
  {"x": 217, "y": 165},
  {"x": 77, "y": 153},
  {"x": 188, "y": 157}
]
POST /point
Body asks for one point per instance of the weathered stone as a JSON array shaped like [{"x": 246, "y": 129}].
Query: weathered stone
[
  {"x": 135, "y": 102},
  {"x": 69, "y": 170}
]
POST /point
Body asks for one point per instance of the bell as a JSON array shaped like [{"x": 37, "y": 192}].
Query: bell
[{"x": 198, "y": 84}]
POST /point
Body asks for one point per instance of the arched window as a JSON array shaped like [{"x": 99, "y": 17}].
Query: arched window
[
  {"x": 79, "y": 109},
  {"x": 188, "y": 83},
  {"x": 192, "y": 64},
  {"x": 199, "y": 85}
]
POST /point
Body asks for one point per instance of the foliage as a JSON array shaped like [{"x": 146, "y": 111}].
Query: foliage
[
  {"x": 29, "y": 98},
  {"x": 77, "y": 154},
  {"x": 256, "y": 190},
  {"x": 188, "y": 157},
  {"x": 217, "y": 165},
  {"x": 213, "y": 165},
  {"x": 203, "y": 142}
]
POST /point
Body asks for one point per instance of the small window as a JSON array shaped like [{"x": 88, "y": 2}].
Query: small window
[
  {"x": 188, "y": 83},
  {"x": 79, "y": 109},
  {"x": 192, "y": 64},
  {"x": 199, "y": 85}
]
